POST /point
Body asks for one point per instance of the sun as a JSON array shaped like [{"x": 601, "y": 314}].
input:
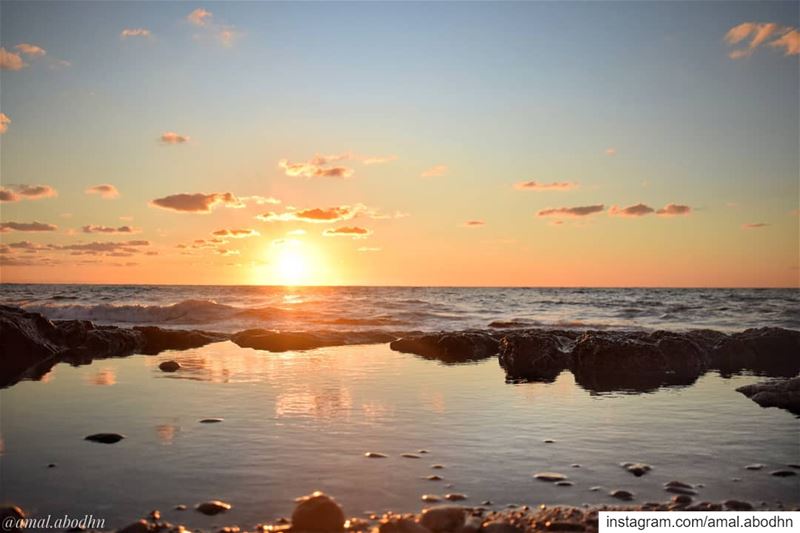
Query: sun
[{"x": 291, "y": 266}]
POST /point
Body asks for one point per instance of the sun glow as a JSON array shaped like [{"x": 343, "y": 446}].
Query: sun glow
[{"x": 292, "y": 262}]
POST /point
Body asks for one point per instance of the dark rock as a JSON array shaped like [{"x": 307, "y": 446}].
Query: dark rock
[
  {"x": 140, "y": 526},
  {"x": 318, "y": 512},
  {"x": 783, "y": 473},
  {"x": 621, "y": 495},
  {"x": 409, "y": 455},
  {"x": 157, "y": 340},
  {"x": 457, "y": 347},
  {"x": 501, "y": 526},
  {"x": 680, "y": 490},
  {"x": 169, "y": 366},
  {"x": 775, "y": 351},
  {"x": 549, "y": 476},
  {"x": 637, "y": 469},
  {"x": 213, "y": 507},
  {"x": 29, "y": 344},
  {"x": 211, "y": 420},
  {"x": 443, "y": 518},
  {"x": 105, "y": 438},
  {"x": 564, "y": 483},
  {"x": 756, "y": 466},
  {"x": 783, "y": 394},
  {"x": 682, "y": 499},
  {"x": 401, "y": 525},
  {"x": 455, "y": 496},
  {"x": 434, "y": 478},
  {"x": 736, "y": 505},
  {"x": 283, "y": 341},
  {"x": 534, "y": 356}
]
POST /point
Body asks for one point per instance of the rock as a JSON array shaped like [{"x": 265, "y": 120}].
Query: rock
[
  {"x": 430, "y": 498},
  {"x": 621, "y": 495},
  {"x": 155, "y": 514},
  {"x": 423, "y": 451},
  {"x": 455, "y": 347},
  {"x": 471, "y": 525},
  {"x": 681, "y": 490},
  {"x": 140, "y": 526},
  {"x": 564, "y": 483},
  {"x": 783, "y": 394},
  {"x": 105, "y": 438},
  {"x": 157, "y": 340},
  {"x": 443, "y": 518},
  {"x": 637, "y": 469},
  {"x": 770, "y": 350},
  {"x": 534, "y": 356},
  {"x": 434, "y": 478},
  {"x": 283, "y": 341},
  {"x": 29, "y": 345},
  {"x": 318, "y": 512},
  {"x": 575, "y": 465},
  {"x": 736, "y": 505},
  {"x": 501, "y": 526},
  {"x": 756, "y": 466},
  {"x": 401, "y": 525},
  {"x": 409, "y": 455},
  {"x": 596, "y": 488},
  {"x": 213, "y": 507},
  {"x": 548, "y": 441},
  {"x": 792, "y": 465},
  {"x": 180, "y": 507},
  {"x": 437, "y": 467},
  {"x": 682, "y": 499},
  {"x": 678, "y": 484},
  {"x": 783, "y": 473},
  {"x": 51, "y": 465},
  {"x": 211, "y": 420},
  {"x": 12, "y": 518},
  {"x": 455, "y": 497},
  {"x": 169, "y": 366},
  {"x": 375, "y": 455},
  {"x": 549, "y": 476}
]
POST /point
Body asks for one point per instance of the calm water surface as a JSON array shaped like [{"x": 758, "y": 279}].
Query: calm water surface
[{"x": 301, "y": 421}]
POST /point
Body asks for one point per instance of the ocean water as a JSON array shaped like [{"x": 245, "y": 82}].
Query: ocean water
[{"x": 398, "y": 309}]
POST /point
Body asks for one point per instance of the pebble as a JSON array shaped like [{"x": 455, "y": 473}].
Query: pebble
[
  {"x": 756, "y": 466},
  {"x": 549, "y": 476},
  {"x": 105, "y": 438},
  {"x": 679, "y": 484},
  {"x": 169, "y": 366},
  {"x": 423, "y": 451},
  {"x": 682, "y": 499},
  {"x": 437, "y": 467},
  {"x": 51, "y": 465},
  {"x": 736, "y": 505},
  {"x": 137, "y": 527},
  {"x": 155, "y": 514},
  {"x": 401, "y": 525},
  {"x": 637, "y": 469},
  {"x": 430, "y": 498},
  {"x": 501, "y": 526},
  {"x": 596, "y": 488},
  {"x": 213, "y": 507},
  {"x": 681, "y": 490},
  {"x": 564, "y": 483},
  {"x": 455, "y": 497},
  {"x": 211, "y": 420},
  {"x": 180, "y": 507},
  {"x": 375, "y": 455},
  {"x": 548, "y": 441},
  {"x": 434, "y": 478},
  {"x": 575, "y": 465},
  {"x": 409, "y": 455},
  {"x": 783, "y": 473},
  {"x": 487, "y": 502},
  {"x": 444, "y": 518},
  {"x": 318, "y": 512},
  {"x": 621, "y": 495}
]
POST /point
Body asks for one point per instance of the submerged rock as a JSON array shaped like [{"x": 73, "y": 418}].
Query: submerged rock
[
  {"x": 105, "y": 438},
  {"x": 534, "y": 356},
  {"x": 549, "y": 476},
  {"x": 169, "y": 366},
  {"x": 457, "y": 347},
  {"x": 784, "y": 394},
  {"x": 775, "y": 351},
  {"x": 318, "y": 512},
  {"x": 756, "y": 466},
  {"x": 283, "y": 341},
  {"x": 637, "y": 469},
  {"x": 213, "y": 507},
  {"x": 211, "y": 420},
  {"x": 621, "y": 495}
]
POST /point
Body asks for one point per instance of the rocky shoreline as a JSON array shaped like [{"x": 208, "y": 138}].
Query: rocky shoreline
[{"x": 30, "y": 345}]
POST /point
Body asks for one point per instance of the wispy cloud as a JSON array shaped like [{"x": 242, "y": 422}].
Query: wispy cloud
[
  {"x": 674, "y": 210},
  {"x": 786, "y": 38},
  {"x": 170, "y": 137},
  {"x": 30, "y": 50},
  {"x": 5, "y": 227},
  {"x": 580, "y": 211},
  {"x": 104, "y": 190},
  {"x": 538, "y": 186},
  {"x": 435, "y": 171},
  {"x": 236, "y": 233},
  {"x": 135, "y": 32},
  {"x": 311, "y": 170},
  {"x": 197, "y": 203},
  {"x": 200, "y": 17},
  {"x": 11, "y": 60},
  {"x": 259, "y": 200},
  {"x": 611, "y": 152},
  {"x": 755, "y": 225},
  {"x": 204, "y": 20},
  {"x": 317, "y": 215},
  {"x": 636, "y": 210},
  {"x": 353, "y": 232},
  {"x": 15, "y": 193},
  {"x": 92, "y": 228},
  {"x": 4, "y": 122},
  {"x": 474, "y": 223}
]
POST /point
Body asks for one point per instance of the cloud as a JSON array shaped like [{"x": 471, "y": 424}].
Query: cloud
[
  {"x": 537, "y": 186},
  {"x": 115, "y": 249},
  {"x": 755, "y": 225},
  {"x": 322, "y": 165},
  {"x": 200, "y": 17},
  {"x": 259, "y": 200},
  {"x": 15, "y": 193},
  {"x": 317, "y": 214},
  {"x": 4, "y": 122},
  {"x": 105, "y": 190},
  {"x": 636, "y": 210},
  {"x": 236, "y": 233},
  {"x": 11, "y": 60},
  {"x": 580, "y": 211},
  {"x": 5, "y": 227},
  {"x": 673, "y": 210},
  {"x": 91, "y": 228},
  {"x": 354, "y": 232},
  {"x": 227, "y": 251},
  {"x": 31, "y": 50},
  {"x": 611, "y": 152},
  {"x": 224, "y": 33},
  {"x": 759, "y": 33},
  {"x": 474, "y": 223},
  {"x": 435, "y": 171},
  {"x": 170, "y": 137},
  {"x": 135, "y": 32},
  {"x": 377, "y": 160},
  {"x": 197, "y": 203},
  {"x": 296, "y": 232}
]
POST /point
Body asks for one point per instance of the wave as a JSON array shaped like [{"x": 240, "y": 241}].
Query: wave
[{"x": 185, "y": 312}]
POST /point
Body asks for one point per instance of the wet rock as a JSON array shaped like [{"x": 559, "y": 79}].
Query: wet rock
[
  {"x": 783, "y": 394},
  {"x": 51, "y": 465},
  {"x": 637, "y": 469},
  {"x": 423, "y": 451},
  {"x": 180, "y": 507},
  {"x": 155, "y": 514},
  {"x": 169, "y": 366},
  {"x": 283, "y": 341},
  {"x": 455, "y": 497},
  {"x": 437, "y": 467},
  {"x": 548, "y": 441},
  {"x": 501, "y": 526},
  {"x": 770, "y": 350},
  {"x": 28, "y": 341},
  {"x": 105, "y": 438},
  {"x": 736, "y": 505},
  {"x": 549, "y": 476},
  {"x": 678, "y": 484},
  {"x": 783, "y": 473},
  {"x": 443, "y": 518},
  {"x": 756, "y": 466},
  {"x": 681, "y": 490},
  {"x": 318, "y": 512},
  {"x": 140, "y": 526},
  {"x": 621, "y": 495},
  {"x": 430, "y": 498},
  {"x": 375, "y": 455},
  {"x": 409, "y": 455},
  {"x": 434, "y": 478},
  {"x": 564, "y": 483},
  {"x": 575, "y": 465},
  {"x": 471, "y": 525},
  {"x": 682, "y": 499},
  {"x": 401, "y": 525},
  {"x": 596, "y": 488},
  {"x": 455, "y": 347},
  {"x": 792, "y": 465},
  {"x": 211, "y": 420},
  {"x": 213, "y": 507},
  {"x": 534, "y": 356},
  {"x": 157, "y": 340}
]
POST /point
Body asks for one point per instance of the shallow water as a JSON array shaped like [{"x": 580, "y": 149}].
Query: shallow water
[
  {"x": 301, "y": 421},
  {"x": 233, "y": 308}
]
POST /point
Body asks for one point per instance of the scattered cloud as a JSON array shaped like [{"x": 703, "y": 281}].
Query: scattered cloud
[
  {"x": 636, "y": 210},
  {"x": 354, "y": 232},
  {"x": 378, "y": 160},
  {"x": 538, "y": 186},
  {"x": 227, "y": 251},
  {"x": 204, "y": 19},
  {"x": 317, "y": 214},
  {"x": 5, "y": 227},
  {"x": 259, "y": 200},
  {"x": 197, "y": 203},
  {"x": 30, "y": 50},
  {"x": 435, "y": 171},
  {"x": 786, "y": 38},
  {"x": 170, "y": 137},
  {"x": 236, "y": 233},
  {"x": 110, "y": 248},
  {"x": 4, "y": 122},
  {"x": 322, "y": 166},
  {"x": 105, "y": 190},
  {"x": 580, "y": 211},
  {"x": 135, "y": 32},
  {"x": 674, "y": 210},
  {"x": 11, "y": 60},
  {"x": 611, "y": 152},
  {"x": 755, "y": 225},
  {"x": 15, "y": 193},
  {"x": 474, "y": 223},
  {"x": 92, "y": 228},
  {"x": 200, "y": 17}
]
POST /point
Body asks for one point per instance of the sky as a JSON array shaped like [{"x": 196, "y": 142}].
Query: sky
[{"x": 450, "y": 143}]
